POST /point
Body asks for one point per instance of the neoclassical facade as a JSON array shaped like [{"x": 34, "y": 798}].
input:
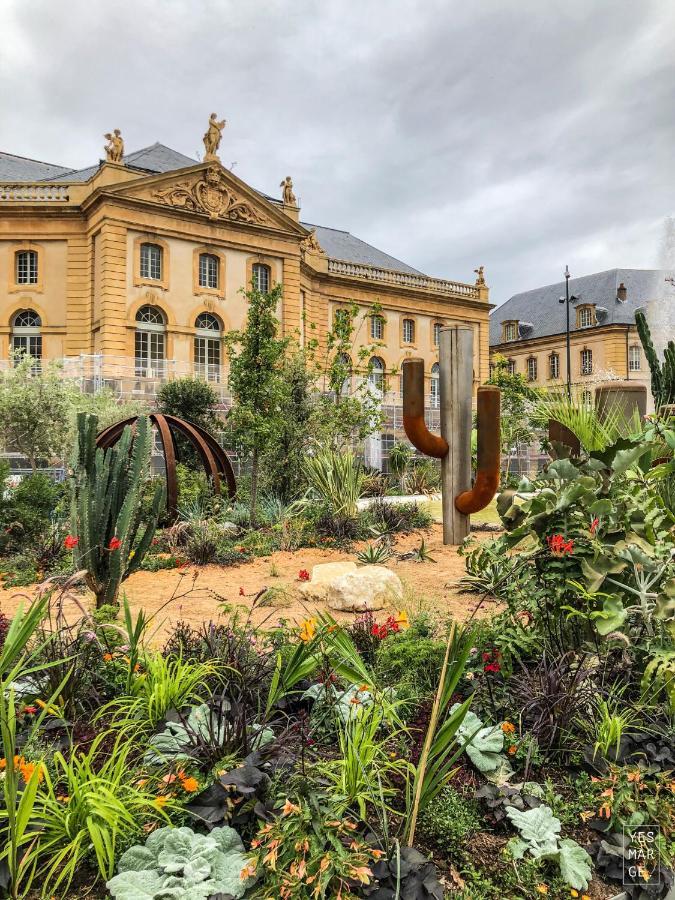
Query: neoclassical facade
[{"x": 139, "y": 263}]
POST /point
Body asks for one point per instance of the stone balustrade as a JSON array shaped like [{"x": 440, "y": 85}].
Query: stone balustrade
[
  {"x": 405, "y": 279},
  {"x": 34, "y": 193}
]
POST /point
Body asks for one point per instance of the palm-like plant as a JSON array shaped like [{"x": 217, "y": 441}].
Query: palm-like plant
[
  {"x": 582, "y": 419},
  {"x": 335, "y": 478},
  {"x": 400, "y": 457}
]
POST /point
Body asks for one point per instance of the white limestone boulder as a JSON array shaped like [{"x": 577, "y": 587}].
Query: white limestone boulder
[
  {"x": 366, "y": 588},
  {"x": 322, "y": 575}
]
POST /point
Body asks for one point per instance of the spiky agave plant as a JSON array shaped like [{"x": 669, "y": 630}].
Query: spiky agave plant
[{"x": 108, "y": 518}]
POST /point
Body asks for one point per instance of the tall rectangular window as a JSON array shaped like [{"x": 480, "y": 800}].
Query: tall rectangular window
[
  {"x": 151, "y": 261},
  {"x": 512, "y": 367},
  {"x": 586, "y": 362},
  {"x": 634, "y": 358},
  {"x": 586, "y": 317},
  {"x": 376, "y": 328},
  {"x": 27, "y": 267},
  {"x": 510, "y": 331},
  {"x": 554, "y": 366},
  {"x": 208, "y": 270},
  {"x": 261, "y": 278},
  {"x": 408, "y": 331},
  {"x": 437, "y": 334},
  {"x": 532, "y": 368}
]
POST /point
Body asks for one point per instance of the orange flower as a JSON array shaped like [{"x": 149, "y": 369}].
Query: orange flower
[
  {"x": 325, "y": 862},
  {"x": 189, "y": 784},
  {"x": 249, "y": 869},
  {"x": 363, "y": 687},
  {"x": 361, "y": 873},
  {"x": 377, "y": 854},
  {"x": 63, "y": 798},
  {"x": 542, "y": 889},
  {"x": 107, "y": 657},
  {"x": 512, "y": 749},
  {"x": 289, "y": 808},
  {"x": 508, "y": 727},
  {"x": 28, "y": 768},
  {"x": 605, "y": 811}
]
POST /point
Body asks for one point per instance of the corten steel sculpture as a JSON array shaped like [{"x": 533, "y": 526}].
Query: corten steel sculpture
[
  {"x": 214, "y": 459},
  {"x": 453, "y": 446}
]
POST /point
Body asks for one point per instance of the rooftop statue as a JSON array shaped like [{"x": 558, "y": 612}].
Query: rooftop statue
[
  {"x": 114, "y": 149},
  {"x": 289, "y": 197},
  {"x": 213, "y": 136},
  {"x": 480, "y": 278}
]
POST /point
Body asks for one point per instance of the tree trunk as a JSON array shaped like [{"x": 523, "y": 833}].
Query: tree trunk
[{"x": 254, "y": 486}]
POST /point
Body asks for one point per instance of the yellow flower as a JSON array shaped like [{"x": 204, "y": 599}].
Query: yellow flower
[
  {"x": 249, "y": 869},
  {"x": 160, "y": 802},
  {"x": 402, "y": 620},
  {"x": 542, "y": 889},
  {"x": 132, "y": 554},
  {"x": 307, "y": 630}
]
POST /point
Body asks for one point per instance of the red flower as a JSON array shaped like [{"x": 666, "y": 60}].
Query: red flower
[
  {"x": 241, "y": 549},
  {"x": 594, "y": 525},
  {"x": 559, "y": 546},
  {"x": 242, "y": 592},
  {"x": 115, "y": 543},
  {"x": 492, "y": 667},
  {"x": 70, "y": 542},
  {"x": 182, "y": 563},
  {"x": 30, "y": 710},
  {"x": 303, "y": 575}
]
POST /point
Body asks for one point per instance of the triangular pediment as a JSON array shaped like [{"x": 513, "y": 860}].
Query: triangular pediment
[{"x": 207, "y": 189}]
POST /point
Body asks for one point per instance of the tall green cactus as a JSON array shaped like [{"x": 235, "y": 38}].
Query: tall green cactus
[
  {"x": 663, "y": 374},
  {"x": 107, "y": 506}
]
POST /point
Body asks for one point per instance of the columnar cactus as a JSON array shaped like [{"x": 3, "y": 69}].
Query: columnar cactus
[
  {"x": 663, "y": 374},
  {"x": 107, "y": 506}
]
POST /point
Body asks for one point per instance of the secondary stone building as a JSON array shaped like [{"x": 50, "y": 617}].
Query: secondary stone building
[
  {"x": 529, "y": 329},
  {"x": 135, "y": 267}
]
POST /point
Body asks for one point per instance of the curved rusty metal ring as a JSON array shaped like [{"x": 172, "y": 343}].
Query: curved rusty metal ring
[
  {"x": 413, "y": 411},
  {"x": 488, "y": 458},
  {"x": 214, "y": 459}
]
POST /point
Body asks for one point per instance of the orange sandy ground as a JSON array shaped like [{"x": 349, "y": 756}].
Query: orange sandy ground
[{"x": 202, "y": 593}]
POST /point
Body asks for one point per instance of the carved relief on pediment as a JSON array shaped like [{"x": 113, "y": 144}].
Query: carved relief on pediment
[{"x": 212, "y": 195}]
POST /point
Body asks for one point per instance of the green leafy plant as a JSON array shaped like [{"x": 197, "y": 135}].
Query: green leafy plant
[
  {"x": 483, "y": 744},
  {"x": 177, "y": 863},
  {"x": 400, "y": 459},
  {"x": 374, "y": 554},
  {"x": 663, "y": 374},
  {"x": 449, "y": 821},
  {"x": 336, "y": 479},
  {"x": 540, "y": 837},
  {"x": 107, "y": 516}
]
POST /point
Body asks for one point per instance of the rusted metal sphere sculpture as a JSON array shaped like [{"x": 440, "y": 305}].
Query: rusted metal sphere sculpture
[{"x": 214, "y": 459}]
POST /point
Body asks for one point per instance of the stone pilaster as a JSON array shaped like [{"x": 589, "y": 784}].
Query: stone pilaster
[
  {"x": 79, "y": 296},
  {"x": 113, "y": 289}
]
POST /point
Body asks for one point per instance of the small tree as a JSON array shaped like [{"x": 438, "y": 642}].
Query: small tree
[
  {"x": 34, "y": 411},
  {"x": 107, "y": 516},
  {"x": 190, "y": 398},
  {"x": 516, "y": 407},
  {"x": 256, "y": 357}
]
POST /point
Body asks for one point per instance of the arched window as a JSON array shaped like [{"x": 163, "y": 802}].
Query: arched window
[
  {"x": 376, "y": 376},
  {"x": 343, "y": 365},
  {"x": 151, "y": 261},
  {"x": 26, "y": 262},
  {"x": 435, "y": 393},
  {"x": 208, "y": 334},
  {"x": 408, "y": 331},
  {"x": 261, "y": 278},
  {"x": 26, "y": 337},
  {"x": 209, "y": 271},
  {"x": 150, "y": 342}
]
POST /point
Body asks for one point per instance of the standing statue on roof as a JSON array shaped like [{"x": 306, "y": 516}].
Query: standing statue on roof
[
  {"x": 288, "y": 196},
  {"x": 480, "y": 277},
  {"x": 114, "y": 149},
  {"x": 213, "y": 136}
]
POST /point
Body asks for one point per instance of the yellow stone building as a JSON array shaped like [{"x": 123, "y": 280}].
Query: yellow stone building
[
  {"x": 132, "y": 270},
  {"x": 530, "y": 329}
]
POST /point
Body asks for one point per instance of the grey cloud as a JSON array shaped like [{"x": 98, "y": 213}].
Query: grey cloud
[{"x": 514, "y": 133}]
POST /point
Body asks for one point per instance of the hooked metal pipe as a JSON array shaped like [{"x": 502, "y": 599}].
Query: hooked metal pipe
[
  {"x": 488, "y": 457},
  {"x": 413, "y": 412},
  {"x": 488, "y": 418}
]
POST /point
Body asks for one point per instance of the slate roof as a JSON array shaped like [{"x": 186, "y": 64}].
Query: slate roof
[
  {"x": 541, "y": 309},
  {"x": 20, "y": 168},
  {"x": 160, "y": 158}
]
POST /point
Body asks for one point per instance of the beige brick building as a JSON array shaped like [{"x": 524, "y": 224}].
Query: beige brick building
[
  {"x": 530, "y": 328},
  {"x": 136, "y": 268}
]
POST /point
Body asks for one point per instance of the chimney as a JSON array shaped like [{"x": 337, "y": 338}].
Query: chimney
[{"x": 621, "y": 293}]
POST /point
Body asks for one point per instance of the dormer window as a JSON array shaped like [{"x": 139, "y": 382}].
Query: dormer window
[
  {"x": 509, "y": 331},
  {"x": 585, "y": 317}
]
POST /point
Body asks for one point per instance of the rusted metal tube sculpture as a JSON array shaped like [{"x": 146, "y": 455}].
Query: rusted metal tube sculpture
[
  {"x": 488, "y": 457},
  {"x": 214, "y": 459},
  {"x": 413, "y": 412},
  {"x": 488, "y": 418}
]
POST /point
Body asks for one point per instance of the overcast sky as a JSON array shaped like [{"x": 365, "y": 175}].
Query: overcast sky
[{"x": 518, "y": 134}]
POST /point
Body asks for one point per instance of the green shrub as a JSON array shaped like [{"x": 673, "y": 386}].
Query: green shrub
[
  {"x": 409, "y": 661},
  {"x": 156, "y": 563},
  {"x": 29, "y": 509},
  {"x": 449, "y": 820},
  {"x": 387, "y": 517}
]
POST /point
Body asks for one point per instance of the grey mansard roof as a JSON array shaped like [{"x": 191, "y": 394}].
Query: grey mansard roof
[
  {"x": 541, "y": 308},
  {"x": 160, "y": 158}
]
